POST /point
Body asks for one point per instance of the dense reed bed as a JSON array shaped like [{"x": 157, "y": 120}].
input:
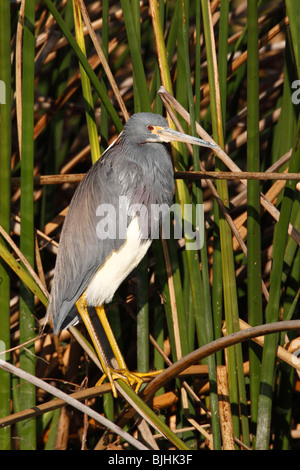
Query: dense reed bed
[{"x": 221, "y": 320}]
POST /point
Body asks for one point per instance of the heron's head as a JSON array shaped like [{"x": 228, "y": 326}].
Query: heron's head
[{"x": 144, "y": 128}]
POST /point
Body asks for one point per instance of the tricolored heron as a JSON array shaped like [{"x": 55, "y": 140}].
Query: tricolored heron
[{"x": 136, "y": 171}]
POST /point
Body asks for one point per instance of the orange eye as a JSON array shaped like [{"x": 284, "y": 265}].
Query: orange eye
[{"x": 150, "y": 128}]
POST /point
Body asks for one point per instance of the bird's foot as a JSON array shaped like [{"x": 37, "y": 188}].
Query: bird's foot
[{"x": 134, "y": 379}]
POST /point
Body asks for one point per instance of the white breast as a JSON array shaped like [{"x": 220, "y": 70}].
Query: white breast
[{"x": 117, "y": 267}]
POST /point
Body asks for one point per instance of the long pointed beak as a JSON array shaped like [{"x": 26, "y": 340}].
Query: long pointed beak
[{"x": 169, "y": 135}]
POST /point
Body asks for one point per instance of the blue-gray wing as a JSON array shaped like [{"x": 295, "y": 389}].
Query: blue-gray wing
[{"x": 87, "y": 240}]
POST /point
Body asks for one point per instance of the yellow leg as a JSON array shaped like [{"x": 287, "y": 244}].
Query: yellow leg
[
  {"x": 133, "y": 379},
  {"x": 111, "y": 338},
  {"x": 83, "y": 311}
]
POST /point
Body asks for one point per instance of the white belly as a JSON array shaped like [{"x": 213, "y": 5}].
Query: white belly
[{"x": 117, "y": 267}]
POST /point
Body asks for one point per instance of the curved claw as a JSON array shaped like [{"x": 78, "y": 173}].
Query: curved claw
[
  {"x": 133, "y": 379},
  {"x": 130, "y": 378}
]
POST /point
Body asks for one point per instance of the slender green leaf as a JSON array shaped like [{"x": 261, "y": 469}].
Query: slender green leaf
[
  {"x": 81, "y": 57},
  {"x": 152, "y": 418},
  {"x": 206, "y": 318},
  {"x": 5, "y": 194},
  {"x": 27, "y": 399},
  {"x": 254, "y": 285},
  {"x": 86, "y": 87},
  {"x": 292, "y": 9},
  {"x": 22, "y": 273},
  {"x": 273, "y": 307}
]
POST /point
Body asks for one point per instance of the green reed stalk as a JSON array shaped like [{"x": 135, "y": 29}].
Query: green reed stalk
[
  {"x": 22, "y": 273},
  {"x": 190, "y": 261},
  {"x": 137, "y": 61},
  {"x": 27, "y": 429},
  {"x": 206, "y": 300},
  {"x": 86, "y": 87},
  {"x": 54, "y": 422},
  {"x": 253, "y": 208},
  {"x": 170, "y": 247},
  {"x": 158, "y": 334},
  {"x": 224, "y": 233},
  {"x": 54, "y": 150},
  {"x": 290, "y": 277},
  {"x": 5, "y": 155},
  {"x": 181, "y": 84},
  {"x": 152, "y": 417},
  {"x": 286, "y": 376},
  {"x": 83, "y": 60},
  {"x": 105, "y": 38},
  {"x": 161, "y": 273},
  {"x": 235, "y": 362},
  {"x": 222, "y": 57},
  {"x": 273, "y": 307},
  {"x": 135, "y": 11},
  {"x": 141, "y": 103},
  {"x": 292, "y": 9},
  {"x": 285, "y": 136},
  {"x": 217, "y": 290},
  {"x": 287, "y": 124},
  {"x": 286, "y": 131},
  {"x": 108, "y": 400}
]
